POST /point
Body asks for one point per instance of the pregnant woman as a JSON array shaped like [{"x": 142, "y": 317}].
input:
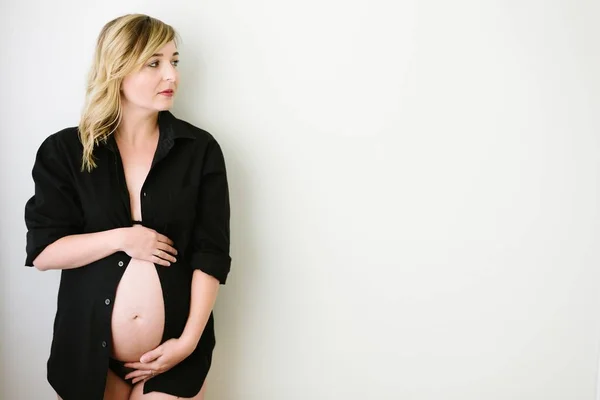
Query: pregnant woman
[{"x": 132, "y": 205}]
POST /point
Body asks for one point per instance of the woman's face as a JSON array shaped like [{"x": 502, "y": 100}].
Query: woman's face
[{"x": 146, "y": 88}]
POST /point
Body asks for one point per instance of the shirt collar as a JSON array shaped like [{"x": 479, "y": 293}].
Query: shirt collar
[{"x": 171, "y": 127}]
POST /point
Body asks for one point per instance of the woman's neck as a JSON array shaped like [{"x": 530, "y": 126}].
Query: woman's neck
[{"x": 137, "y": 127}]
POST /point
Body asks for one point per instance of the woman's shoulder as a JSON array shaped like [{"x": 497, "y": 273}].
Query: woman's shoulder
[
  {"x": 66, "y": 137},
  {"x": 61, "y": 145}
]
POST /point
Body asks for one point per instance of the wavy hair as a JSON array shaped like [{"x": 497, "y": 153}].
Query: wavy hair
[{"x": 123, "y": 46}]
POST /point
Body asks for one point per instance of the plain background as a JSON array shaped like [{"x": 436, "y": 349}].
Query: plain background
[{"x": 414, "y": 188}]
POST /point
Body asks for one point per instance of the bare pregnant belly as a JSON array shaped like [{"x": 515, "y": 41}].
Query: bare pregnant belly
[{"x": 138, "y": 313}]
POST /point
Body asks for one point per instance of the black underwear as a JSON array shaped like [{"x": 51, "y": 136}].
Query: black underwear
[{"x": 119, "y": 368}]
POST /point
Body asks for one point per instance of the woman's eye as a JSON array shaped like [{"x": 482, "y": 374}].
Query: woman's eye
[{"x": 155, "y": 63}]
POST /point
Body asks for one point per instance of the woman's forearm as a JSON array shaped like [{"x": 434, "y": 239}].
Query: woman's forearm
[
  {"x": 75, "y": 251},
  {"x": 204, "y": 294}
]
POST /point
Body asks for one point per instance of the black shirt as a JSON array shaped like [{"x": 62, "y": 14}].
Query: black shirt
[{"x": 185, "y": 197}]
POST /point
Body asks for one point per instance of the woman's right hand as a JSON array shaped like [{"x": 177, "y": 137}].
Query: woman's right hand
[{"x": 148, "y": 245}]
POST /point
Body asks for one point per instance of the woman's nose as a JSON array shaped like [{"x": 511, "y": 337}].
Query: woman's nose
[{"x": 170, "y": 73}]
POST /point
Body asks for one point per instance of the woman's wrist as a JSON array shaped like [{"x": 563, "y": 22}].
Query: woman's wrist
[
  {"x": 118, "y": 239},
  {"x": 189, "y": 342}
]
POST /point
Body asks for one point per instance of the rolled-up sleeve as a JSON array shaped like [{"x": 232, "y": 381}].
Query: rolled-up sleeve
[
  {"x": 54, "y": 210},
  {"x": 211, "y": 235}
]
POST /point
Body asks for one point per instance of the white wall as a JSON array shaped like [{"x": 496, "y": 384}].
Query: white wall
[{"x": 415, "y": 191}]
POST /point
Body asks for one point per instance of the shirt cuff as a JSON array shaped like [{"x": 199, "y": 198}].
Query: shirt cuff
[{"x": 217, "y": 265}]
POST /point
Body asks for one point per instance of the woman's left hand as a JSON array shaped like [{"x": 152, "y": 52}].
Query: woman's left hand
[{"x": 159, "y": 360}]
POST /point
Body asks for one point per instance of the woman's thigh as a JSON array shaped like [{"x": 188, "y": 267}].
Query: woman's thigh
[
  {"x": 116, "y": 388},
  {"x": 138, "y": 394}
]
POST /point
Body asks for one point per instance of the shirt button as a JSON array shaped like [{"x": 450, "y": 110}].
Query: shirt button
[
  {"x": 144, "y": 194},
  {"x": 103, "y": 343},
  {"x": 120, "y": 263},
  {"x": 107, "y": 301}
]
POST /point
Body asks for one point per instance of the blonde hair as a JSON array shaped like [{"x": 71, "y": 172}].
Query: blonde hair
[{"x": 124, "y": 44}]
